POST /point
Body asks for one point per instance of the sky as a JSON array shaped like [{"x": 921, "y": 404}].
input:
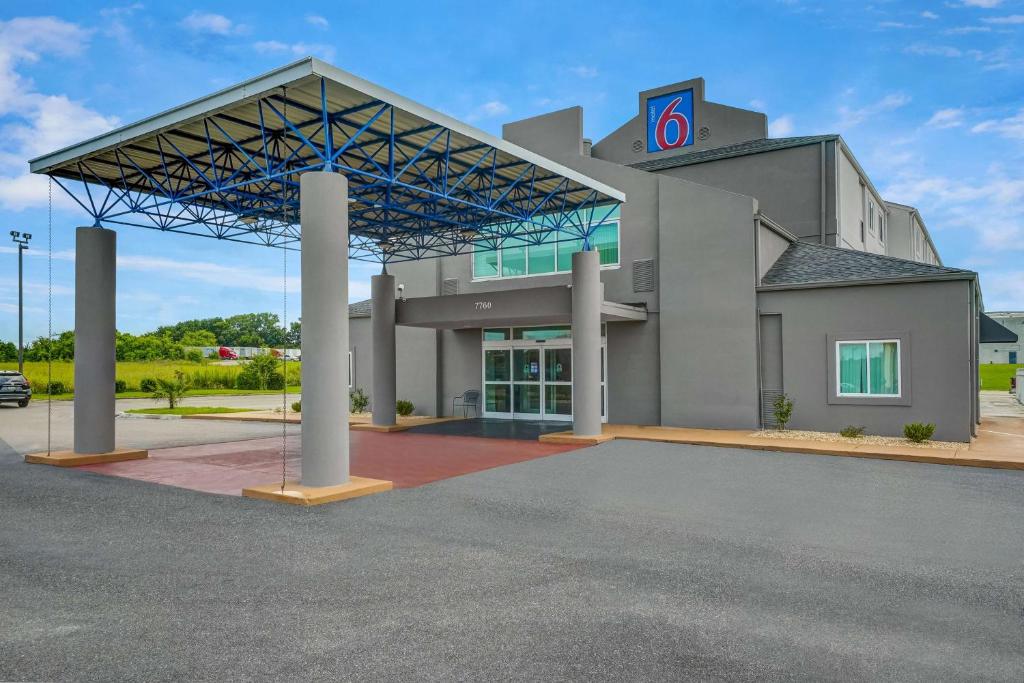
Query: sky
[{"x": 928, "y": 95}]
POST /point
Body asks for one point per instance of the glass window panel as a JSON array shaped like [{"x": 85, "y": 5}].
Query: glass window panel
[
  {"x": 496, "y": 334},
  {"x": 527, "y": 398},
  {"x": 606, "y": 240},
  {"x": 485, "y": 262},
  {"x": 558, "y": 365},
  {"x": 542, "y": 257},
  {"x": 527, "y": 365},
  {"x": 558, "y": 399},
  {"x": 496, "y": 366},
  {"x": 884, "y": 363},
  {"x": 497, "y": 398},
  {"x": 565, "y": 251},
  {"x": 535, "y": 333},
  {"x": 513, "y": 260},
  {"x": 853, "y": 369}
]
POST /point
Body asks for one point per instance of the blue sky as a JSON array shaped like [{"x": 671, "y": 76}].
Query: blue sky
[{"x": 930, "y": 97}]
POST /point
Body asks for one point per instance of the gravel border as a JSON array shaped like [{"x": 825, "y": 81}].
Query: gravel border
[{"x": 867, "y": 439}]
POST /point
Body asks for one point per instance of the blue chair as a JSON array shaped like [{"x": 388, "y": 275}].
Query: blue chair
[{"x": 469, "y": 399}]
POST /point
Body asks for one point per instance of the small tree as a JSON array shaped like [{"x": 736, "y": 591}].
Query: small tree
[
  {"x": 918, "y": 432},
  {"x": 783, "y": 411},
  {"x": 172, "y": 389}
]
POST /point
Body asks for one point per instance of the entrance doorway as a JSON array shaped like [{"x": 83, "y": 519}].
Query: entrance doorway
[{"x": 527, "y": 373}]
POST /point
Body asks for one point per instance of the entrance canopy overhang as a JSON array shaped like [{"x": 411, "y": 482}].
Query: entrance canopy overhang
[
  {"x": 510, "y": 308},
  {"x": 421, "y": 184}
]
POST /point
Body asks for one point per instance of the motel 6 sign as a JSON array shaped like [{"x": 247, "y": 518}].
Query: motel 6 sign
[{"x": 670, "y": 121}]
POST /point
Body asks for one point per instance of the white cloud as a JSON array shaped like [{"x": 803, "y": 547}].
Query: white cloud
[
  {"x": 780, "y": 127},
  {"x": 487, "y": 110},
  {"x": 929, "y": 15},
  {"x": 758, "y": 104},
  {"x": 964, "y": 30},
  {"x": 295, "y": 49},
  {"x": 1011, "y": 127},
  {"x": 235, "y": 277},
  {"x": 893, "y": 24},
  {"x": 987, "y": 4},
  {"x": 583, "y": 71},
  {"x": 946, "y": 118},
  {"x": 849, "y": 118},
  {"x": 208, "y": 22},
  {"x": 929, "y": 50},
  {"x": 1013, "y": 19},
  {"x": 37, "y": 123},
  {"x": 317, "y": 20}
]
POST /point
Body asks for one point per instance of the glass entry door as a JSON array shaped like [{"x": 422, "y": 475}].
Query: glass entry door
[{"x": 527, "y": 374}]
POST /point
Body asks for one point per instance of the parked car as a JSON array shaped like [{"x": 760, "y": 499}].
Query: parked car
[
  {"x": 14, "y": 388},
  {"x": 227, "y": 354}
]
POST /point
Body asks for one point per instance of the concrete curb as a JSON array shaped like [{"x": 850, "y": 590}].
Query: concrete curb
[{"x": 144, "y": 416}]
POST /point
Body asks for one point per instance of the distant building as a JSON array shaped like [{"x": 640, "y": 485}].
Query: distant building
[{"x": 1005, "y": 352}]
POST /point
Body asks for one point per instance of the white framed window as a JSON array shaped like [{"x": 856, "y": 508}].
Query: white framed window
[
  {"x": 871, "y": 216},
  {"x": 868, "y": 367},
  {"x": 881, "y": 227},
  {"x": 517, "y": 258}
]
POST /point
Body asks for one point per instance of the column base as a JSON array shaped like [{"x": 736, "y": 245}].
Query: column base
[
  {"x": 572, "y": 439},
  {"x": 72, "y": 459},
  {"x": 297, "y": 494}
]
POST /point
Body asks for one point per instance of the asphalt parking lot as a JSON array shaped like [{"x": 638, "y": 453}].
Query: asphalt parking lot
[{"x": 626, "y": 561}]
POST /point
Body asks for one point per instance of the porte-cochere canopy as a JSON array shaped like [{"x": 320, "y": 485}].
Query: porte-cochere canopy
[{"x": 421, "y": 184}]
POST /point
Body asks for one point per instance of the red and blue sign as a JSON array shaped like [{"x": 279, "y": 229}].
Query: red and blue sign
[{"x": 670, "y": 121}]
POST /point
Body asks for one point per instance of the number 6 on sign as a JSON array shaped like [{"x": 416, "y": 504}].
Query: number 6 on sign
[{"x": 670, "y": 121}]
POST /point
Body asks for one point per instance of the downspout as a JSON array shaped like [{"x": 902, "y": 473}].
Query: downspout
[{"x": 821, "y": 220}]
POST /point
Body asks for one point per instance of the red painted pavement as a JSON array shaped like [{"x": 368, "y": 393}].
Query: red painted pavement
[{"x": 404, "y": 458}]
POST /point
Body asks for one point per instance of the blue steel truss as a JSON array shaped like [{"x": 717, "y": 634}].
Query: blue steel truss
[{"x": 414, "y": 193}]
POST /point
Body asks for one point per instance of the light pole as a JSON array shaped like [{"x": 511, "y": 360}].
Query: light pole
[{"x": 21, "y": 239}]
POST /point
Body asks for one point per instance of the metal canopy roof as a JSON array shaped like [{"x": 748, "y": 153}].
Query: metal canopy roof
[{"x": 421, "y": 184}]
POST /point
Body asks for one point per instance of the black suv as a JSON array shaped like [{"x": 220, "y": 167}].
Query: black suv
[{"x": 14, "y": 388}]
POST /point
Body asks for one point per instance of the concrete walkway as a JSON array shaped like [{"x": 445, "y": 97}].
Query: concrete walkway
[
  {"x": 360, "y": 421},
  {"x": 1000, "y": 443}
]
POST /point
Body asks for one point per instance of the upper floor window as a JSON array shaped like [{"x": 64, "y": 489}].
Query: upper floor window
[
  {"x": 881, "y": 226},
  {"x": 517, "y": 258},
  {"x": 871, "y": 216}
]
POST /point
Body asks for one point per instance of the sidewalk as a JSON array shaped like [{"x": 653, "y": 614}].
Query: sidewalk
[
  {"x": 361, "y": 421},
  {"x": 1000, "y": 443}
]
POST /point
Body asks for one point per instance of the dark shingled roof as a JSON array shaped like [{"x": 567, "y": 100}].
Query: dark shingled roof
[
  {"x": 737, "y": 150},
  {"x": 992, "y": 332},
  {"x": 807, "y": 263},
  {"x": 360, "y": 309}
]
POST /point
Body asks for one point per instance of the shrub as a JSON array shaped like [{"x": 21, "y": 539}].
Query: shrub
[
  {"x": 147, "y": 384},
  {"x": 260, "y": 373},
  {"x": 358, "y": 400},
  {"x": 783, "y": 410},
  {"x": 56, "y": 387},
  {"x": 172, "y": 389},
  {"x": 918, "y": 432},
  {"x": 403, "y": 407},
  {"x": 297, "y": 406},
  {"x": 194, "y": 356},
  {"x": 120, "y": 386},
  {"x": 852, "y": 432}
]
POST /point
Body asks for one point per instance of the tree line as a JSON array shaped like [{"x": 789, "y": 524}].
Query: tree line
[{"x": 168, "y": 342}]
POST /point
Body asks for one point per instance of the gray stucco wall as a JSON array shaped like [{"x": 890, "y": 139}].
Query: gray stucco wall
[
  {"x": 708, "y": 325},
  {"x": 417, "y": 371},
  {"x": 854, "y": 193},
  {"x": 770, "y": 246},
  {"x": 634, "y": 374},
  {"x": 786, "y": 182},
  {"x": 937, "y": 321}
]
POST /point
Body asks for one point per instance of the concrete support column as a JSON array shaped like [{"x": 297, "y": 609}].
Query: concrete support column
[
  {"x": 382, "y": 292},
  {"x": 325, "y": 403},
  {"x": 587, "y": 295},
  {"x": 95, "y": 331}
]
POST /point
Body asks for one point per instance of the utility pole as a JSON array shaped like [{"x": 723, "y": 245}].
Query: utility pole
[{"x": 21, "y": 239}]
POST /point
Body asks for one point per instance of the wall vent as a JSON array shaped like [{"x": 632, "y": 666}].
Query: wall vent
[
  {"x": 644, "y": 275},
  {"x": 768, "y": 397},
  {"x": 450, "y": 286}
]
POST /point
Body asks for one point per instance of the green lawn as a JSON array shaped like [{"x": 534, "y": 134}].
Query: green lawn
[
  {"x": 189, "y": 410},
  {"x": 996, "y": 376}
]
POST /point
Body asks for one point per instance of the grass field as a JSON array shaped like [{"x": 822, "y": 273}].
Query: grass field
[
  {"x": 996, "y": 376},
  {"x": 189, "y": 410},
  {"x": 205, "y": 378}
]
